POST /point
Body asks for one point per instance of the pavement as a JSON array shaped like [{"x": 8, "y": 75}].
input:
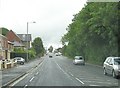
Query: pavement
[{"x": 12, "y": 74}]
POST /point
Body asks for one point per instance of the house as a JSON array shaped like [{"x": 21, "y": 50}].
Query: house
[
  {"x": 15, "y": 39},
  {"x": 26, "y": 39},
  {"x": 12, "y": 36},
  {"x": 3, "y": 47}
]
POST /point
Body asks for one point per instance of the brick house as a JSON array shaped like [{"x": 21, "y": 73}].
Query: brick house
[
  {"x": 15, "y": 39},
  {"x": 12, "y": 36}
]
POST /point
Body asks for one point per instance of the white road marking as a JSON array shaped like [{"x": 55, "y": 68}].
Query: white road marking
[
  {"x": 99, "y": 82},
  {"x": 37, "y": 73},
  {"x": 18, "y": 80},
  {"x": 71, "y": 74},
  {"x": 62, "y": 70},
  {"x": 80, "y": 81},
  {"x": 94, "y": 85},
  {"x": 32, "y": 79},
  {"x": 25, "y": 86}
]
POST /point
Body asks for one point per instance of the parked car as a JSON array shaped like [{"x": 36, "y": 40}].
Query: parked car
[
  {"x": 79, "y": 60},
  {"x": 112, "y": 66},
  {"x": 20, "y": 60}
]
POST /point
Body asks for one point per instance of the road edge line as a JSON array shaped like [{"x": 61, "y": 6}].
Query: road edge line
[{"x": 19, "y": 76}]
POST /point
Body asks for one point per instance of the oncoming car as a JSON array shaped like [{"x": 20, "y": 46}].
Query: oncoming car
[
  {"x": 112, "y": 66},
  {"x": 20, "y": 60},
  {"x": 79, "y": 60}
]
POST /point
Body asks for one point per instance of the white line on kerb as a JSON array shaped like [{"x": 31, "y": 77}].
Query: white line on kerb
[
  {"x": 80, "y": 81},
  {"x": 32, "y": 79}
]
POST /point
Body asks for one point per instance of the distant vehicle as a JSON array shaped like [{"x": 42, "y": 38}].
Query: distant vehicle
[
  {"x": 58, "y": 54},
  {"x": 50, "y": 55},
  {"x": 79, "y": 60},
  {"x": 20, "y": 60},
  {"x": 112, "y": 66}
]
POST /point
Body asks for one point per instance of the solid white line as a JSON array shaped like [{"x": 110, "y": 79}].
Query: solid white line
[
  {"x": 18, "y": 80},
  {"x": 80, "y": 81},
  {"x": 94, "y": 85},
  {"x": 32, "y": 79},
  {"x": 62, "y": 70},
  {"x": 99, "y": 82}
]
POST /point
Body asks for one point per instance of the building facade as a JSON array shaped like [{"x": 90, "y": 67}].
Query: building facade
[{"x": 3, "y": 47}]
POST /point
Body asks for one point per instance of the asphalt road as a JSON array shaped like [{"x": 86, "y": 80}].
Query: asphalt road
[{"x": 59, "y": 71}]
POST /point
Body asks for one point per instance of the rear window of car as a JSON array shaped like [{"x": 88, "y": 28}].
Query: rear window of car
[{"x": 78, "y": 57}]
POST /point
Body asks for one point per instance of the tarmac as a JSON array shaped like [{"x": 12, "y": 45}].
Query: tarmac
[{"x": 8, "y": 76}]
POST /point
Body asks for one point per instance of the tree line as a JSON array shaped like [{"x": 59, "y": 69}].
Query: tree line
[{"x": 94, "y": 32}]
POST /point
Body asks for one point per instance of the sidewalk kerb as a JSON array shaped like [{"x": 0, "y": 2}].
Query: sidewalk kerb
[
  {"x": 13, "y": 80},
  {"x": 19, "y": 76}
]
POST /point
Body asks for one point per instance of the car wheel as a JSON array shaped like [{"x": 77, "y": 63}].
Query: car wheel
[
  {"x": 105, "y": 73},
  {"x": 113, "y": 74}
]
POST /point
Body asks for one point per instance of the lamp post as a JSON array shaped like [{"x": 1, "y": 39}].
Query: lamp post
[{"x": 27, "y": 38}]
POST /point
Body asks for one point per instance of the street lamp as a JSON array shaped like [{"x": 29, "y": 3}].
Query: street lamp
[{"x": 27, "y": 37}]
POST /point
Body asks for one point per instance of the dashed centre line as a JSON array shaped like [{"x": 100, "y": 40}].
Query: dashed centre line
[
  {"x": 25, "y": 86},
  {"x": 32, "y": 79},
  {"x": 37, "y": 73}
]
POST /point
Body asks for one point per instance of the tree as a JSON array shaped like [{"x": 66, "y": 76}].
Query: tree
[
  {"x": 4, "y": 31},
  {"x": 37, "y": 45},
  {"x": 94, "y": 32},
  {"x": 50, "y": 49}
]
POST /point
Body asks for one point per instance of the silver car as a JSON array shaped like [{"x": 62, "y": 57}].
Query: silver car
[
  {"x": 20, "y": 60},
  {"x": 79, "y": 60},
  {"x": 112, "y": 66}
]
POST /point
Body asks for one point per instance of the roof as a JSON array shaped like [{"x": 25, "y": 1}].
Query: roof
[
  {"x": 12, "y": 36},
  {"x": 25, "y": 37},
  {"x": 17, "y": 44}
]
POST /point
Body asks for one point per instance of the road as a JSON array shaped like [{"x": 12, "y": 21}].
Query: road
[{"x": 59, "y": 71}]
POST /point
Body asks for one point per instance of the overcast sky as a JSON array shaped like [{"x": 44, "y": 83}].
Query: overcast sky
[{"x": 51, "y": 16}]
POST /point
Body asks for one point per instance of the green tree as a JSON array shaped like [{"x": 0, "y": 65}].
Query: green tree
[
  {"x": 94, "y": 32},
  {"x": 4, "y": 31},
  {"x": 37, "y": 45}
]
